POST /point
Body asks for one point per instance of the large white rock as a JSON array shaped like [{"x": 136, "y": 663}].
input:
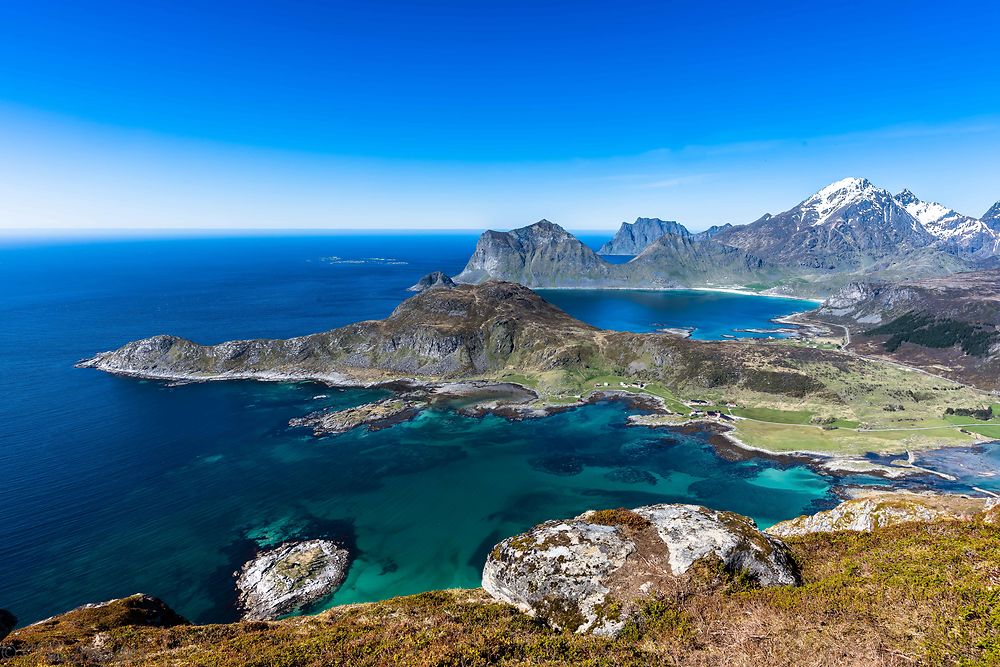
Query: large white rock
[
  {"x": 289, "y": 577},
  {"x": 590, "y": 573}
]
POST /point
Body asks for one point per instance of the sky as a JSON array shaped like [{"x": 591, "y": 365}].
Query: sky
[{"x": 468, "y": 115}]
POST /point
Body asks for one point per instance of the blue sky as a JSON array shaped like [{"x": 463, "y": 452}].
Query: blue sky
[{"x": 485, "y": 114}]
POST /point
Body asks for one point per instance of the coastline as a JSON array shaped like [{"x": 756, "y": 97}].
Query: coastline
[{"x": 726, "y": 290}]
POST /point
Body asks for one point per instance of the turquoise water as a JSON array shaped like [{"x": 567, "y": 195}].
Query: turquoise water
[
  {"x": 712, "y": 315},
  {"x": 109, "y": 486}
]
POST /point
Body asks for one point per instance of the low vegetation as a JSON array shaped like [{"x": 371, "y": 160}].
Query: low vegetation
[{"x": 916, "y": 594}]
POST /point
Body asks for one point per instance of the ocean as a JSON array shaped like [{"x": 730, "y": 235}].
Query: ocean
[{"x": 111, "y": 486}]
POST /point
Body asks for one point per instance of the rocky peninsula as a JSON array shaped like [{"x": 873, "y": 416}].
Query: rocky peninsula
[{"x": 772, "y": 397}]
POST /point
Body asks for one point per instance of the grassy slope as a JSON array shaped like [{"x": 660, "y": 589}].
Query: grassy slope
[
  {"x": 917, "y": 594},
  {"x": 875, "y": 407}
]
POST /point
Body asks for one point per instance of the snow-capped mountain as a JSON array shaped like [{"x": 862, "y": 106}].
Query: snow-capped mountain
[
  {"x": 961, "y": 232},
  {"x": 853, "y": 225},
  {"x": 848, "y": 225}
]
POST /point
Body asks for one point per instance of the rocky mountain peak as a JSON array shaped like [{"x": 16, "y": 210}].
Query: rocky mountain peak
[
  {"x": 543, "y": 230},
  {"x": 906, "y": 197},
  {"x": 633, "y": 237},
  {"x": 992, "y": 217},
  {"x": 823, "y": 206}
]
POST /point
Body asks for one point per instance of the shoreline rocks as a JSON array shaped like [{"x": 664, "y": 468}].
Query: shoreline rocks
[
  {"x": 589, "y": 573},
  {"x": 286, "y": 579},
  {"x": 878, "y": 509}
]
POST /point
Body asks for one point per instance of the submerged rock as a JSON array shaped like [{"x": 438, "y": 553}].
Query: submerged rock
[
  {"x": 589, "y": 573},
  {"x": 432, "y": 279},
  {"x": 285, "y": 579},
  {"x": 881, "y": 509}
]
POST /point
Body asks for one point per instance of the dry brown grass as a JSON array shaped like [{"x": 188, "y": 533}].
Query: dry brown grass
[{"x": 918, "y": 594}]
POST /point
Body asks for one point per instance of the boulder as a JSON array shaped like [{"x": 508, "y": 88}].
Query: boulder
[
  {"x": 591, "y": 573},
  {"x": 285, "y": 579},
  {"x": 881, "y": 509}
]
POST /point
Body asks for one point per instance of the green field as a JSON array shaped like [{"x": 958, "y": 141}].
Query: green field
[
  {"x": 772, "y": 415},
  {"x": 794, "y": 437}
]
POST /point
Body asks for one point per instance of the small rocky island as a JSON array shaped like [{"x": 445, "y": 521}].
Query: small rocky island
[
  {"x": 375, "y": 416},
  {"x": 292, "y": 576}
]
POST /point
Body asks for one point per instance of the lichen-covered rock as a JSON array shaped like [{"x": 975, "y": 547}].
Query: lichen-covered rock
[
  {"x": 588, "y": 573},
  {"x": 878, "y": 510},
  {"x": 289, "y": 577}
]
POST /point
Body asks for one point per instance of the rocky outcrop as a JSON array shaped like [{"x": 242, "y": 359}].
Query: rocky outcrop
[
  {"x": 633, "y": 237},
  {"x": 138, "y": 609},
  {"x": 431, "y": 280},
  {"x": 969, "y": 297},
  {"x": 375, "y": 416},
  {"x": 290, "y": 577},
  {"x": 590, "y": 573},
  {"x": 878, "y": 510}
]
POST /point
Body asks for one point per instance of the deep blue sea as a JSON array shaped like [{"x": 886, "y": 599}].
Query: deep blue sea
[{"x": 110, "y": 486}]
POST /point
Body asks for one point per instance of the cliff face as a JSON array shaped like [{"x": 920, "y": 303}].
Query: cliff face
[{"x": 539, "y": 255}]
